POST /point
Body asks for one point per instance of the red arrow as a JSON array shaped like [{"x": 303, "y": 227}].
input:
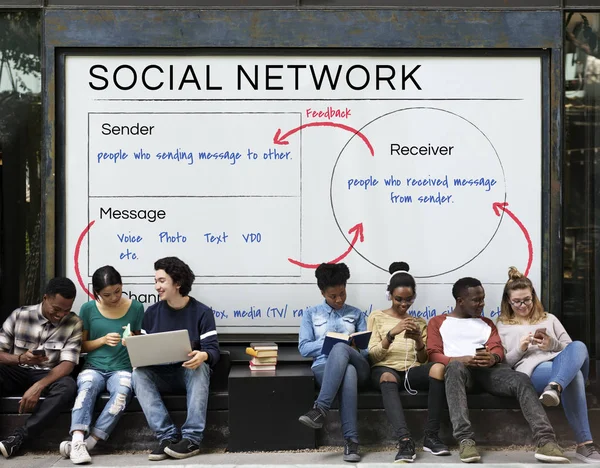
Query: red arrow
[
  {"x": 76, "y": 259},
  {"x": 502, "y": 207},
  {"x": 280, "y": 139},
  {"x": 358, "y": 231}
]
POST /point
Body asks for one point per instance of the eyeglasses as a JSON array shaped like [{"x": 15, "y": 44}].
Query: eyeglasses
[{"x": 526, "y": 302}]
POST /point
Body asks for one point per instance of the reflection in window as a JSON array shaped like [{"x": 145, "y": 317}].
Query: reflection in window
[
  {"x": 581, "y": 215},
  {"x": 20, "y": 141}
]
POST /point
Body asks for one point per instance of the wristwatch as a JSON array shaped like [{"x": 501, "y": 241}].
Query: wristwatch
[{"x": 389, "y": 337}]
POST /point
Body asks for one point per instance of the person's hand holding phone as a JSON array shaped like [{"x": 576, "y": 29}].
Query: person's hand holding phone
[
  {"x": 34, "y": 357},
  {"x": 415, "y": 334},
  {"x": 542, "y": 339},
  {"x": 483, "y": 358},
  {"x": 539, "y": 336},
  {"x": 405, "y": 324}
]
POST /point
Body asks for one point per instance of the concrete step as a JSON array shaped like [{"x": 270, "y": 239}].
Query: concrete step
[
  {"x": 505, "y": 427},
  {"x": 379, "y": 458}
]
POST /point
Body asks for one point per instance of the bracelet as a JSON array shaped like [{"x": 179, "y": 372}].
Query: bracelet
[
  {"x": 389, "y": 337},
  {"x": 19, "y": 359}
]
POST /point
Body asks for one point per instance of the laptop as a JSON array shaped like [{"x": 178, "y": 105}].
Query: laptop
[{"x": 159, "y": 348}]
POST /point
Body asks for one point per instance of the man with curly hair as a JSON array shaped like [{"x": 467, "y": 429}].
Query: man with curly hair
[{"x": 176, "y": 310}]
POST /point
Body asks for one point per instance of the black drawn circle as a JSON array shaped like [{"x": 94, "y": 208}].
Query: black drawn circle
[{"x": 345, "y": 234}]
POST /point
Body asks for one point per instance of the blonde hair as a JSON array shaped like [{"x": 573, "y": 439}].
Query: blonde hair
[{"x": 516, "y": 281}]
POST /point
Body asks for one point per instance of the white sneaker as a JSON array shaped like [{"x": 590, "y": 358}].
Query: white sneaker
[
  {"x": 65, "y": 448},
  {"x": 79, "y": 453},
  {"x": 550, "y": 396}
]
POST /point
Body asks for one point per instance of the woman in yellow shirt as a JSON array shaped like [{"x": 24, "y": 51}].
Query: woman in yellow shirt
[{"x": 398, "y": 356}]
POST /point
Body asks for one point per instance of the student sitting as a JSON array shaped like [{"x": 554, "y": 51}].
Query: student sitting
[
  {"x": 469, "y": 346},
  {"x": 107, "y": 365},
  {"x": 398, "y": 355},
  {"x": 344, "y": 369},
  {"x": 39, "y": 347},
  {"x": 538, "y": 345},
  {"x": 177, "y": 310}
]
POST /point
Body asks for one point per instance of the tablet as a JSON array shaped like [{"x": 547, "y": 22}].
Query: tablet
[{"x": 159, "y": 348}]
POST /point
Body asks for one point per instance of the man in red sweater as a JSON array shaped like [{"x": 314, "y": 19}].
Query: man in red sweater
[{"x": 470, "y": 348}]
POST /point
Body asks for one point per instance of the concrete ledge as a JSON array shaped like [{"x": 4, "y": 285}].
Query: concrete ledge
[
  {"x": 381, "y": 458},
  {"x": 509, "y": 428}
]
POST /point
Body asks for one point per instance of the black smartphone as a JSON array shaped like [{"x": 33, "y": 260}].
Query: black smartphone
[
  {"x": 482, "y": 348},
  {"x": 39, "y": 352}
]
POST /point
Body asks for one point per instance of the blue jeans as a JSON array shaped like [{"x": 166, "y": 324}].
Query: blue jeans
[
  {"x": 570, "y": 369},
  {"x": 90, "y": 383},
  {"x": 150, "y": 381},
  {"x": 342, "y": 373}
]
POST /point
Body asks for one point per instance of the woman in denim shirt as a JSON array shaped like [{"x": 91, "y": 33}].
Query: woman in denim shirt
[{"x": 344, "y": 369}]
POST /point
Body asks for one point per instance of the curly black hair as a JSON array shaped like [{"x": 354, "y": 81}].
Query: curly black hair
[
  {"x": 61, "y": 285},
  {"x": 331, "y": 274},
  {"x": 462, "y": 285},
  {"x": 401, "y": 279},
  {"x": 179, "y": 271}
]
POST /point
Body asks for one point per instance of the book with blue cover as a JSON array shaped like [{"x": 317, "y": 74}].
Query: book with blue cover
[{"x": 358, "y": 339}]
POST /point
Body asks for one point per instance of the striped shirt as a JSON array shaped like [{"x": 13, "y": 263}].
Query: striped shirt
[
  {"x": 401, "y": 354},
  {"x": 27, "y": 328}
]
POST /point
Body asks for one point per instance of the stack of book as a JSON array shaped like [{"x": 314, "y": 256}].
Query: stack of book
[{"x": 264, "y": 356}]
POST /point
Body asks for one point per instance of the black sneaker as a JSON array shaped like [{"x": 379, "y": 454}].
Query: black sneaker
[
  {"x": 313, "y": 419},
  {"x": 184, "y": 449},
  {"x": 433, "y": 444},
  {"x": 406, "y": 451},
  {"x": 159, "y": 453},
  {"x": 351, "y": 451},
  {"x": 11, "y": 445}
]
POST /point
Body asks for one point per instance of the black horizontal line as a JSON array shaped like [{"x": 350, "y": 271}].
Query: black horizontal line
[
  {"x": 194, "y": 196},
  {"x": 186, "y": 113},
  {"x": 223, "y": 276},
  {"x": 312, "y": 99},
  {"x": 382, "y": 284}
]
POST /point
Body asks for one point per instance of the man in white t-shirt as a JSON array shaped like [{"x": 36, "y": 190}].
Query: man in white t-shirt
[{"x": 469, "y": 346}]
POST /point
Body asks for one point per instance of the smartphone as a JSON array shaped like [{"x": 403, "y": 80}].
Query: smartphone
[
  {"x": 540, "y": 333},
  {"x": 39, "y": 352},
  {"x": 482, "y": 348}
]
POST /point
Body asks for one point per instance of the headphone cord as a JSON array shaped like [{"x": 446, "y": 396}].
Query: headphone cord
[{"x": 407, "y": 386}]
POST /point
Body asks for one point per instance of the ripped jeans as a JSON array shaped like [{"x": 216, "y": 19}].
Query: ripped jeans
[{"x": 90, "y": 383}]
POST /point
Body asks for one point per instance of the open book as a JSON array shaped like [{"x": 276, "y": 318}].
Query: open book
[{"x": 361, "y": 340}]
